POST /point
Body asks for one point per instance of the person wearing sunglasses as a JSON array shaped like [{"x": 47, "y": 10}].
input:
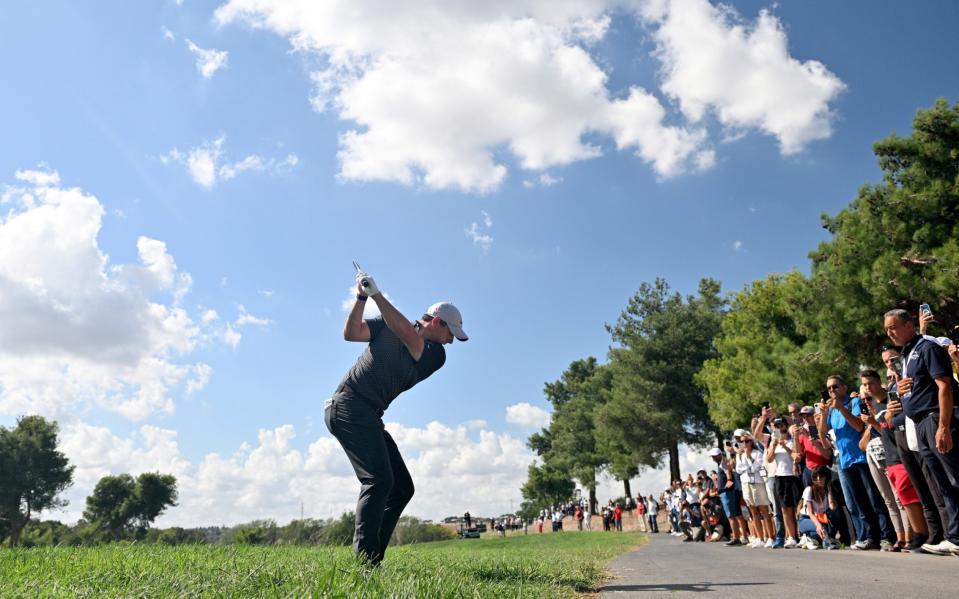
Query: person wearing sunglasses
[
  {"x": 865, "y": 504},
  {"x": 399, "y": 354}
]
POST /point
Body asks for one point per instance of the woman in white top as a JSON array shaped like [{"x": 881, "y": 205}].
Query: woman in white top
[
  {"x": 817, "y": 515},
  {"x": 788, "y": 486},
  {"x": 750, "y": 466}
]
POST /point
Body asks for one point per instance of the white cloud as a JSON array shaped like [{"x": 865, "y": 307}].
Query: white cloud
[
  {"x": 204, "y": 163},
  {"x": 714, "y": 61},
  {"x": 167, "y": 34},
  {"x": 39, "y": 178},
  {"x": 737, "y": 245},
  {"x": 231, "y": 336},
  {"x": 454, "y": 469},
  {"x": 201, "y": 376},
  {"x": 208, "y": 62},
  {"x": 544, "y": 180},
  {"x": 433, "y": 91},
  {"x": 79, "y": 332},
  {"x": 479, "y": 233},
  {"x": 245, "y": 318},
  {"x": 528, "y": 415},
  {"x": 266, "y": 292},
  {"x": 475, "y": 77}
]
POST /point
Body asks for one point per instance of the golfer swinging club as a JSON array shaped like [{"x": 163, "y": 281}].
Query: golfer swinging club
[{"x": 399, "y": 355}]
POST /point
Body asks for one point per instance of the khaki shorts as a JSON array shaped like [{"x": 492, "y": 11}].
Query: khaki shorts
[{"x": 755, "y": 494}]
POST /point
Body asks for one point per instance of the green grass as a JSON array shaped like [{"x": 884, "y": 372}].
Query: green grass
[{"x": 547, "y": 565}]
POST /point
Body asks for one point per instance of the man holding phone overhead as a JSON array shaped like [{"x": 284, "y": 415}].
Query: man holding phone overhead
[{"x": 926, "y": 391}]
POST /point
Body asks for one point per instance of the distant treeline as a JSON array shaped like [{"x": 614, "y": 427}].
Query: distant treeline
[{"x": 332, "y": 531}]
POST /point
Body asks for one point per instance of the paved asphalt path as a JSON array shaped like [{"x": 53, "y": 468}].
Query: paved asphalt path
[{"x": 667, "y": 567}]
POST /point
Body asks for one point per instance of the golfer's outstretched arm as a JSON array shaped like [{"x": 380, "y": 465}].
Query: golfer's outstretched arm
[
  {"x": 356, "y": 328},
  {"x": 400, "y": 326}
]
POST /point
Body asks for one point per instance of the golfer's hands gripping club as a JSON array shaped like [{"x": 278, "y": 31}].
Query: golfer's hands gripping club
[{"x": 366, "y": 285}]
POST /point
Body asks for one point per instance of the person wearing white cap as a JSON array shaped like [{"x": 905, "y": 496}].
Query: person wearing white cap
[{"x": 399, "y": 354}]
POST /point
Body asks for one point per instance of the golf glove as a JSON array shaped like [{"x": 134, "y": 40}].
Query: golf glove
[{"x": 367, "y": 283}]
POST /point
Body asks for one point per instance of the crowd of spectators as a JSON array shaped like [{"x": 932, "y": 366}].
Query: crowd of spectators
[{"x": 867, "y": 466}]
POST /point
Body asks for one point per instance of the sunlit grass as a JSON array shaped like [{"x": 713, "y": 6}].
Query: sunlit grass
[{"x": 537, "y": 565}]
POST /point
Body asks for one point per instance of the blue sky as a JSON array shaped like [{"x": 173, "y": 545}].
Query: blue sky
[{"x": 185, "y": 185}]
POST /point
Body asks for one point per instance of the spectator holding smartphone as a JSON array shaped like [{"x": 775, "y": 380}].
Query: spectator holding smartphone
[
  {"x": 926, "y": 392},
  {"x": 916, "y": 533},
  {"x": 787, "y": 485},
  {"x": 933, "y": 506},
  {"x": 872, "y": 398},
  {"x": 751, "y": 466},
  {"x": 812, "y": 450},
  {"x": 863, "y": 500}
]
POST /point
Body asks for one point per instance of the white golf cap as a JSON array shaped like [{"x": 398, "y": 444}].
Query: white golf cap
[
  {"x": 715, "y": 451},
  {"x": 450, "y": 314},
  {"x": 738, "y": 433}
]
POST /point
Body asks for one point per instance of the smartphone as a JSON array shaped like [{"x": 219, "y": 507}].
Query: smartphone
[
  {"x": 813, "y": 432},
  {"x": 766, "y": 404},
  {"x": 824, "y": 394},
  {"x": 776, "y": 435},
  {"x": 863, "y": 408},
  {"x": 925, "y": 308}
]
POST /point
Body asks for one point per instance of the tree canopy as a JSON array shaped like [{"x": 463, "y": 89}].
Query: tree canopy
[
  {"x": 122, "y": 505},
  {"x": 32, "y": 473}
]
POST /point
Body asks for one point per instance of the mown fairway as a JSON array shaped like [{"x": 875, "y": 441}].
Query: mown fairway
[{"x": 538, "y": 565}]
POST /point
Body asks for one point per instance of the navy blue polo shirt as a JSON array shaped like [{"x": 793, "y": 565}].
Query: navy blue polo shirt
[{"x": 926, "y": 361}]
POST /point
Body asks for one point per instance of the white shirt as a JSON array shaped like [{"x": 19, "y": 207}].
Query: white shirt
[
  {"x": 784, "y": 459},
  {"x": 751, "y": 467},
  {"x": 810, "y": 506}
]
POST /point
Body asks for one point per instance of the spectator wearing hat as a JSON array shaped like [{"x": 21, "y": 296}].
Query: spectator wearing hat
[
  {"x": 863, "y": 500},
  {"x": 762, "y": 433},
  {"x": 788, "y": 486},
  {"x": 813, "y": 449},
  {"x": 751, "y": 466},
  {"x": 729, "y": 496}
]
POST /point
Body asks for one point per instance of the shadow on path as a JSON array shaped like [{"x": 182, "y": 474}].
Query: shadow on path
[{"x": 698, "y": 587}]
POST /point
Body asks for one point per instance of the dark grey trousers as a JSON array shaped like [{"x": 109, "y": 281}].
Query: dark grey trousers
[
  {"x": 944, "y": 468},
  {"x": 386, "y": 485}
]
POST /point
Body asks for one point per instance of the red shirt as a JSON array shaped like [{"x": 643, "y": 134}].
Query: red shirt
[
  {"x": 618, "y": 512},
  {"x": 814, "y": 457}
]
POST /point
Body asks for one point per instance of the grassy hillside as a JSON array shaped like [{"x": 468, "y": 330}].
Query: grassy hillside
[{"x": 547, "y": 565}]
